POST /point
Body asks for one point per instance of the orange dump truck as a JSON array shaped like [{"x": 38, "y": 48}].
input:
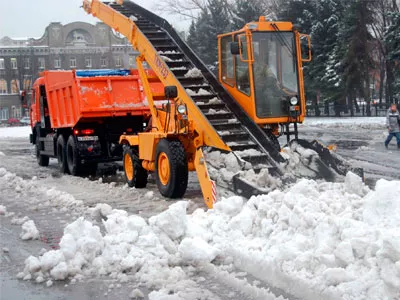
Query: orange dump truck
[{"x": 79, "y": 116}]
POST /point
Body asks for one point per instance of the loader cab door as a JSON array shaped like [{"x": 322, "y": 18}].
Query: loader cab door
[{"x": 234, "y": 72}]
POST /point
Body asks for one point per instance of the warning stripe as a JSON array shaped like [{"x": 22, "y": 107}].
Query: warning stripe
[{"x": 214, "y": 191}]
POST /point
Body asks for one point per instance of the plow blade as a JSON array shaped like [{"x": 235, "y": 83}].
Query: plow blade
[
  {"x": 330, "y": 161},
  {"x": 244, "y": 188}
]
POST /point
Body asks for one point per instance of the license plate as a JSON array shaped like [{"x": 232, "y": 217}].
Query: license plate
[{"x": 87, "y": 138}]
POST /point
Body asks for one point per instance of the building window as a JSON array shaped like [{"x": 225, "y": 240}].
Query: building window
[
  {"x": 41, "y": 63},
  {"x": 72, "y": 62},
  {"x": 88, "y": 62},
  {"x": 27, "y": 63},
  {"x": 13, "y": 63},
  {"x": 1, "y": 63},
  {"x": 16, "y": 112},
  {"x": 4, "y": 113},
  {"x": 118, "y": 61},
  {"x": 27, "y": 82},
  {"x": 3, "y": 86},
  {"x": 15, "y": 86},
  {"x": 57, "y": 63},
  {"x": 103, "y": 62}
]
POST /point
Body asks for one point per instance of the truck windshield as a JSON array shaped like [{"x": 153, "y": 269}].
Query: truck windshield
[{"x": 275, "y": 72}]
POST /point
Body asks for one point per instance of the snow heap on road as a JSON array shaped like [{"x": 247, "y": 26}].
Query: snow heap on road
[
  {"x": 314, "y": 240},
  {"x": 29, "y": 231},
  {"x": 3, "y": 210},
  {"x": 350, "y": 123},
  {"x": 15, "y": 132}
]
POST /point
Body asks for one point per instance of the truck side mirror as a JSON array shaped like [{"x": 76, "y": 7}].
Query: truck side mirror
[
  {"x": 171, "y": 92},
  {"x": 235, "y": 48},
  {"x": 305, "y": 42}
]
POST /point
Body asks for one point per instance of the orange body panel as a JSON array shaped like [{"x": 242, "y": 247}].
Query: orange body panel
[{"x": 72, "y": 98}]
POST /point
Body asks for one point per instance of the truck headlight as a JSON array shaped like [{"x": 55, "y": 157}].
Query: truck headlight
[
  {"x": 294, "y": 101},
  {"x": 181, "y": 109}
]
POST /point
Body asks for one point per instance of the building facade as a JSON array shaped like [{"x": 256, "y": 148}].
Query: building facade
[{"x": 77, "y": 45}]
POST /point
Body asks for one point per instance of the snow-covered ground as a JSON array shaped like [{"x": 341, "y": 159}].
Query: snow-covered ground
[
  {"x": 312, "y": 240},
  {"x": 15, "y": 132},
  {"x": 350, "y": 123}
]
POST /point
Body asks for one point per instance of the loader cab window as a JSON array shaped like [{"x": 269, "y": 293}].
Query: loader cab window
[
  {"x": 227, "y": 66},
  {"x": 275, "y": 72},
  {"x": 242, "y": 68}
]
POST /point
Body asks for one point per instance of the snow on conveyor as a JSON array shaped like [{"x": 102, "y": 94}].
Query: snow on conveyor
[{"x": 314, "y": 240}]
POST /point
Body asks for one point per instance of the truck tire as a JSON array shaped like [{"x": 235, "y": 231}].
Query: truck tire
[
  {"x": 73, "y": 160},
  {"x": 43, "y": 160},
  {"x": 62, "y": 155},
  {"x": 171, "y": 168},
  {"x": 135, "y": 174}
]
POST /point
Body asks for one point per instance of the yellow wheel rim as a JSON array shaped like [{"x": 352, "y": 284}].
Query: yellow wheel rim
[
  {"x": 163, "y": 168},
  {"x": 128, "y": 166}
]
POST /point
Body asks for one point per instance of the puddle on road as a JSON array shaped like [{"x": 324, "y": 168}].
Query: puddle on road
[{"x": 350, "y": 144}]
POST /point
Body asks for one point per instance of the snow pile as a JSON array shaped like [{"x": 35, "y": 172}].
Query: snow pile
[
  {"x": 15, "y": 132},
  {"x": 222, "y": 167},
  {"x": 55, "y": 198},
  {"x": 129, "y": 249},
  {"x": 300, "y": 162},
  {"x": 193, "y": 73},
  {"x": 3, "y": 210},
  {"x": 29, "y": 231},
  {"x": 351, "y": 123},
  {"x": 314, "y": 240},
  {"x": 196, "y": 250}
]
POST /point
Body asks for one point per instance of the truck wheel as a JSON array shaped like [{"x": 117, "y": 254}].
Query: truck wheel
[
  {"x": 135, "y": 174},
  {"x": 74, "y": 164},
  {"x": 43, "y": 160},
  {"x": 62, "y": 154},
  {"x": 171, "y": 168}
]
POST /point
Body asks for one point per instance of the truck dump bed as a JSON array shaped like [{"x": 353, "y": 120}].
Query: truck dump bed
[{"x": 74, "y": 95}]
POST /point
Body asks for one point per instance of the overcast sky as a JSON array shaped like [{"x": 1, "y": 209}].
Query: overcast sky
[{"x": 29, "y": 18}]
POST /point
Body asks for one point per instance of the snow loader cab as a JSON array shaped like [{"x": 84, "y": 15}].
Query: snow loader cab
[{"x": 261, "y": 67}]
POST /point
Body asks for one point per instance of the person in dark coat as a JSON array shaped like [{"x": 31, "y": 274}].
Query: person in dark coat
[{"x": 393, "y": 125}]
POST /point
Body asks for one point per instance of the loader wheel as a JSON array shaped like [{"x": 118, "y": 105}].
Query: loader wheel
[
  {"x": 135, "y": 174},
  {"x": 43, "y": 160},
  {"x": 73, "y": 161},
  {"x": 62, "y": 154},
  {"x": 171, "y": 168}
]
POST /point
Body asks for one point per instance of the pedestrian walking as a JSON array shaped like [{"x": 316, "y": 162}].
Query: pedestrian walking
[{"x": 393, "y": 125}]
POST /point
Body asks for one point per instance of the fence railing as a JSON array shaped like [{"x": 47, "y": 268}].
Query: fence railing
[{"x": 332, "y": 110}]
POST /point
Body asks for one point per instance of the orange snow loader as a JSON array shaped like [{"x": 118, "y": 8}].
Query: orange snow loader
[
  {"x": 260, "y": 88},
  {"x": 78, "y": 116}
]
